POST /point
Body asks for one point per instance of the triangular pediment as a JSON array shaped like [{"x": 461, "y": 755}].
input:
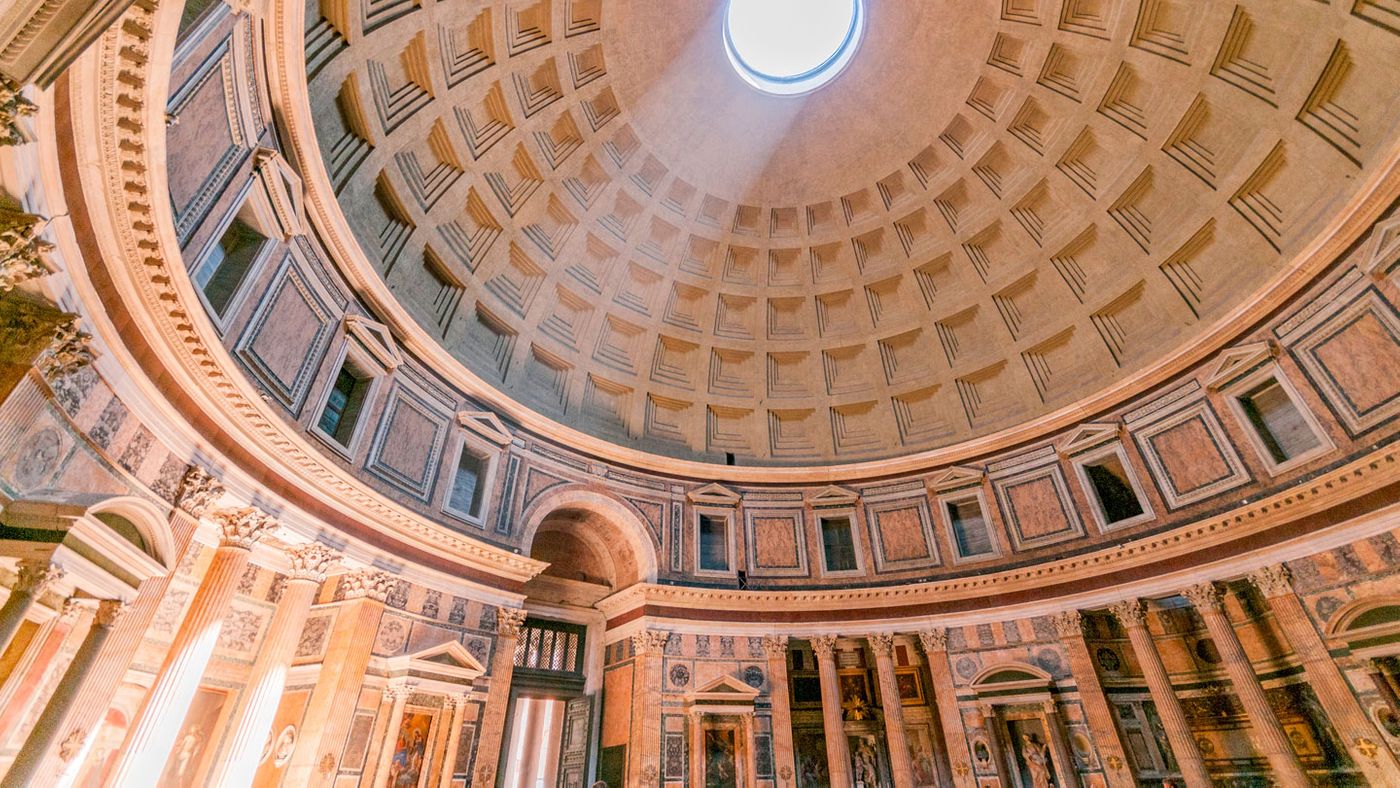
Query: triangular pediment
[
  {"x": 1087, "y": 436},
  {"x": 1383, "y": 249},
  {"x": 451, "y": 654},
  {"x": 725, "y": 689},
  {"x": 714, "y": 495},
  {"x": 831, "y": 495},
  {"x": 485, "y": 424},
  {"x": 1236, "y": 361},
  {"x": 376, "y": 338},
  {"x": 284, "y": 191},
  {"x": 958, "y": 476}
]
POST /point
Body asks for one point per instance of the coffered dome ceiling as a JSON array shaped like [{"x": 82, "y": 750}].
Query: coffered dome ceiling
[{"x": 997, "y": 210}]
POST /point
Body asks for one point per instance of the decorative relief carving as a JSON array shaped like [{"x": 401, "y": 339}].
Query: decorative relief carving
[
  {"x": 824, "y": 646},
  {"x": 775, "y": 645},
  {"x": 650, "y": 643},
  {"x": 366, "y": 584},
  {"x": 509, "y": 620},
  {"x": 882, "y": 644},
  {"x": 70, "y": 351},
  {"x": 109, "y": 612},
  {"x": 1203, "y": 596},
  {"x": 934, "y": 640},
  {"x": 1068, "y": 623},
  {"x": 36, "y": 578}
]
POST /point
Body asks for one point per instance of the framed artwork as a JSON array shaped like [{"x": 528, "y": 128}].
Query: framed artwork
[
  {"x": 809, "y": 745},
  {"x": 194, "y": 743},
  {"x": 806, "y": 691},
  {"x": 721, "y": 758},
  {"x": 911, "y": 687},
  {"x": 408, "y": 767},
  {"x": 855, "y": 695},
  {"x": 922, "y": 755}
]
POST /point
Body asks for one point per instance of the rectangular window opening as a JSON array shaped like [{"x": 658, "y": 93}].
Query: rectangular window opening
[
  {"x": 714, "y": 543},
  {"x": 467, "y": 484},
  {"x": 1113, "y": 488},
  {"x": 969, "y": 528},
  {"x": 1280, "y": 425},
  {"x": 223, "y": 270},
  {"x": 343, "y": 405},
  {"x": 838, "y": 544}
]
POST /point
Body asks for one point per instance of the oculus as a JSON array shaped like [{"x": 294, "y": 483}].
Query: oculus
[{"x": 792, "y": 47}]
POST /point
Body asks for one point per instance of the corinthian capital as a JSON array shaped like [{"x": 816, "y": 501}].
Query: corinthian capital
[
  {"x": 882, "y": 644},
  {"x": 23, "y": 254},
  {"x": 824, "y": 646},
  {"x": 366, "y": 584},
  {"x": 109, "y": 611},
  {"x": 775, "y": 645},
  {"x": 1203, "y": 596},
  {"x": 509, "y": 620},
  {"x": 13, "y": 106},
  {"x": 1068, "y": 623},
  {"x": 1129, "y": 612},
  {"x": 934, "y": 640},
  {"x": 70, "y": 350},
  {"x": 242, "y": 526},
  {"x": 198, "y": 491},
  {"x": 650, "y": 642},
  {"x": 37, "y": 577},
  {"x": 1272, "y": 580},
  {"x": 310, "y": 561}
]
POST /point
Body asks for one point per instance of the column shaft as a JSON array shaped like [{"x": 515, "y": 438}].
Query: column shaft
[
  {"x": 45, "y": 731},
  {"x": 22, "y": 687},
  {"x": 838, "y": 749},
  {"x": 332, "y": 704},
  {"x": 454, "y": 740},
  {"x": 1091, "y": 695},
  {"x": 896, "y": 738},
  {"x": 399, "y": 694},
  {"x": 776, "y": 647},
  {"x": 493, "y": 716},
  {"x": 153, "y": 733},
  {"x": 958, "y": 751},
  {"x": 1363, "y": 740},
  {"x": 257, "y": 705},
  {"x": 644, "y": 760},
  {"x": 1268, "y": 733},
  {"x": 1188, "y": 756}
]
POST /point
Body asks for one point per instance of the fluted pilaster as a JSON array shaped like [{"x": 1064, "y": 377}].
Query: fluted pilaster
[
  {"x": 493, "y": 718},
  {"x": 901, "y": 767},
  {"x": 935, "y": 645},
  {"x": 838, "y": 749},
  {"x": 1069, "y": 626}
]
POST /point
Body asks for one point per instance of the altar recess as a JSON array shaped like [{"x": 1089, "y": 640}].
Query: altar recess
[
  {"x": 1025, "y": 733},
  {"x": 721, "y": 715}
]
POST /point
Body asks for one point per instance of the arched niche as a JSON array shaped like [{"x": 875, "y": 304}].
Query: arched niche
[{"x": 592, "y": 542}]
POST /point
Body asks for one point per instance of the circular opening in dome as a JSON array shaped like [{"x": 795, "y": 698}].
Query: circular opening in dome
[{"x": 790, "y": 47}]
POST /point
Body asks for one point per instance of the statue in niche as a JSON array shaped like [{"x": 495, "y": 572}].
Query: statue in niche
[
  {"x": 864, "y": 766},
  {"x": 1037, "y": 757}
]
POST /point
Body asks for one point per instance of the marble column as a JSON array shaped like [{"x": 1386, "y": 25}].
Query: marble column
[
  {"x": 153, "y": 732},
  {"x": 398, "y": 693},
  {"x": 1067, "y": 774},
  {"x": 784, "y": 759},
  {"x": 696, "y": 720},
  {"x": 1133, "y": 616},
  {"x": 34, "y": 580},
  {"x": 944, "y": 694},
  {"x": 491, "y": 738},
  {"x": 644, "y": 763},
  {"x": 1363, "y": 740},
  {"x": 333, "y": 700},
  {"x": 901, "y": 767},
  {"x": 31, "y": 754},
  {"x": 458, "y": 705},
  {"x": 25, "y": 681},
  {"x": 1267, "y": 733},
  {"x": 256, "y": 707},
  {"x": 1070, "y": 627},
  {"x": 838, "y": 749}
]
